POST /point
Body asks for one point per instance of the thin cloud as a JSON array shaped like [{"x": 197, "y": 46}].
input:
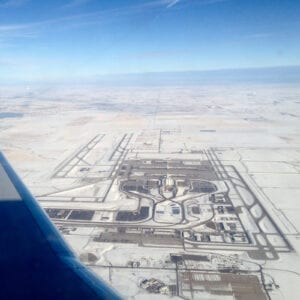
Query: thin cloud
[
  {"x": 262, "y": 35},
  {"x": 154, "y": 54},
  {"x": 75, "y": 3},
  {"x": 11, "y": 32},
  {"x": 172, "y": 3},
  {"x": 34, "y": 29},
  {"x": 14, "y": 27},
  {"x": 79, "y": 19},
  {"x": 12, "y": 3}
]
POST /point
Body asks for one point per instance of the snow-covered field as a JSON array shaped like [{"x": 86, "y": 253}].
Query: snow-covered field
[{"x": 256, "y": 129}]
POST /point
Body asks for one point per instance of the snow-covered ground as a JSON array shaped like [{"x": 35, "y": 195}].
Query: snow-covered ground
[{"x": 255, "y": 129}]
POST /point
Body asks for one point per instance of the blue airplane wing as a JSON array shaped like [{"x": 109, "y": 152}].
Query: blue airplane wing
[{"x": 35, "y": 261}]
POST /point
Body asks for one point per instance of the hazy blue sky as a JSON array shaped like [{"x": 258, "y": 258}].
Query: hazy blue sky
[{"x": 41, "y": 39}]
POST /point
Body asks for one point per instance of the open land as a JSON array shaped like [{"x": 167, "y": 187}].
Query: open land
[{"x": 167, "y": 192}]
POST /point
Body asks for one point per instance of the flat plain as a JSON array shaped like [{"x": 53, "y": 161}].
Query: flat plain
[{"x": 182, "y": 192}]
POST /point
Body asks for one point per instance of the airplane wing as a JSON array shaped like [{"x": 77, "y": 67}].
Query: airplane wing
[{"x": 35, "y": 261}]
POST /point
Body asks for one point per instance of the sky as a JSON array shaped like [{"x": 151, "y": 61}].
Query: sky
[{"x": 57, "y": 40}]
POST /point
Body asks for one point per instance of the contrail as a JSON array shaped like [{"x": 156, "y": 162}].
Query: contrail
[{"x": 172, "y": 3}]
